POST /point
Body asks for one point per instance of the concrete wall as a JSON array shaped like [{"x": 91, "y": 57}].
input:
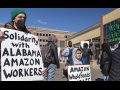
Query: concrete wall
[
  {"x": 91, "y": 34},
  {"x": 111, "y": 16}
]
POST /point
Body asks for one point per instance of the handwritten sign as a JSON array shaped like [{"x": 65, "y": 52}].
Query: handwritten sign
[
  {"x": 20, "y": 56},
  {"x": 79, "y": 73}
]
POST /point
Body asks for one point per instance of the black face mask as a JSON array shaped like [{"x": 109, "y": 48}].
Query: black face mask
[
  {"x": 70, "y": 45},
  {"x": 21, "y": 23}
]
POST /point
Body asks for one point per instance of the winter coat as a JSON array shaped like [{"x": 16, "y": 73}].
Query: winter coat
[
  {"x": 114, "y": 68},
  {"x": 54, "y": 54},
  {"x": 104, "y": 63},
  {"x": 86, "y": 54},
  {"x": 65, "y": 53}
]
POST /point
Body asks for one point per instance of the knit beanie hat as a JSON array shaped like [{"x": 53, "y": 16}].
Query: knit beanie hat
[
  {"x": 15, "y": 12},
  {"x": 69, "y": 42}
]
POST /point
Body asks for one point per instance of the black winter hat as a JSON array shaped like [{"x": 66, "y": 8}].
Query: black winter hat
[{"x": 85, "y": 45}]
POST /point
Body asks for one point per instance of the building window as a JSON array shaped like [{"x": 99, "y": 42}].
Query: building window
[
  {"x": 112, "y": 22},
  {"x": 46, "y": 35},
  {"x": 40, "y": 34},
  {"x": 108, "y": 31},
  {"x": 104, "y": 31},
  {"x": 40, "y": 45},
  {"x": 43, "y": 34},
  {"x": 43, "y": 40},
  {"x": 40, "y": 40},
  {"x": 66, "y": 37},
  {"x": 49, "y": 34},
  {"x": 37, "y": 34},
  {"x": 46, "y": 40},
  {"x": 62, "y": 44},
  {"x": 104, "y": 26}
]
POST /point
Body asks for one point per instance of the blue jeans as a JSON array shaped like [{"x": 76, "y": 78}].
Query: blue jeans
[
  {"x": 105, "y": 78},
  {"x": 51, "y": 68}
]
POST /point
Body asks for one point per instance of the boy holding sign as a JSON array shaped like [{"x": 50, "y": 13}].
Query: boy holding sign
[{"x": 75, "y": 60}]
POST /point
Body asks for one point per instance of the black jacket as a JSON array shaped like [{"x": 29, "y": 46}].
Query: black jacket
[
  {"x": 86, "y": 54},
  {"x": 54, "y": 54},
  {"x": 104, "y": 63},
  {"x": 114, "y": 73},
  {"x": 69, "y": 63}
]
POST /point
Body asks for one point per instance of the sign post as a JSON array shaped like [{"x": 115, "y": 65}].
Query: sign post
[{"x": 20, "y": 57}]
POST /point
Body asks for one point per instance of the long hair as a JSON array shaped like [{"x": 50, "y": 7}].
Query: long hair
[{"x": 106, "y": 48}]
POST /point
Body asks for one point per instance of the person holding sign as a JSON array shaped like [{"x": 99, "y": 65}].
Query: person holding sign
[
  {"x": 18, "y": 18},
  {"x": 75, "y": 60}
]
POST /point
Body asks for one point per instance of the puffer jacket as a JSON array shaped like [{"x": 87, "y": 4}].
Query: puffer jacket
[
  {"x": 104, "y": 64},
  {"x": 114, "y": 72},
  {"x": 54, "y": 54}
]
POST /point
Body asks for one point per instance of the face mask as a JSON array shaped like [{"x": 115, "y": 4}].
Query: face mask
[
  {"x": 20, "y": 23},
  {"x": 70, "y": 45}
]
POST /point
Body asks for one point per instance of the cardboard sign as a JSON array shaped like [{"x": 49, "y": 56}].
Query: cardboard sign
[
  {"x": 82, "y": 43},
  {"x": 79, "y": 73},
  {"x": 20, "y": 56}
]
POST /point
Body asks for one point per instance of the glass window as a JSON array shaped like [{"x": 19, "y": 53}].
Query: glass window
[
  {"x": 49, "y": 34},
  {"x": 37, "y": 34},
  {"x": 62, "y": 44},
  {"x": 40, "y": 40},
  {"x": 46, "y": 40},
  {"x": 40, "y": 34},
  {"x": 46, "y": 35},
  {"x": 96, "y": 38},
  {"x": 104, "y": 26},
  {"x": 43, "y": 34},
  {"x": 112, "y": 22},
  {"x": 43, "y": 40},
  {"x": 108, "y": 24},
  {"x": 40, "y": 45},
  {"x": 104, "y": 31},
  {"x": 108, "y": 31}
]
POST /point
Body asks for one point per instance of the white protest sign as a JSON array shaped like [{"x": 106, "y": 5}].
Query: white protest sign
[
  {"x": 58, "y": 52},
  {"x": 20, "y": 56},
  {"x": 82, "y": 43},
  {"x": 79, "y": 73}
]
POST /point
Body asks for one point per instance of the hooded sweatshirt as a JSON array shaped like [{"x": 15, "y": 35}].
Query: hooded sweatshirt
[{"x": 75, "y": 59}]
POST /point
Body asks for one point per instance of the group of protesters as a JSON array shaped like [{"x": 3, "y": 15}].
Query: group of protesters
[{"x": 109, "y": 61}]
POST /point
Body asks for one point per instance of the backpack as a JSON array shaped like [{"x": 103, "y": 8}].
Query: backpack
[
  {"x": 46, "y": 53},
  {"x": 70, "y": 54}
]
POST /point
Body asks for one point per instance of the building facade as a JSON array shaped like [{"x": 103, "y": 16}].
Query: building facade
[
  {"x": 43, "y": 35},
  {"x": 105, "y": 31}
]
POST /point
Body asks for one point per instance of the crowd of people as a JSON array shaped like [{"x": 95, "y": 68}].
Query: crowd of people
[{"x": 109, "y": 61}]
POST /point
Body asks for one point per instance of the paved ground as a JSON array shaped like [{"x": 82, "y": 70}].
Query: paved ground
[{"x": 95, "y": 73}]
